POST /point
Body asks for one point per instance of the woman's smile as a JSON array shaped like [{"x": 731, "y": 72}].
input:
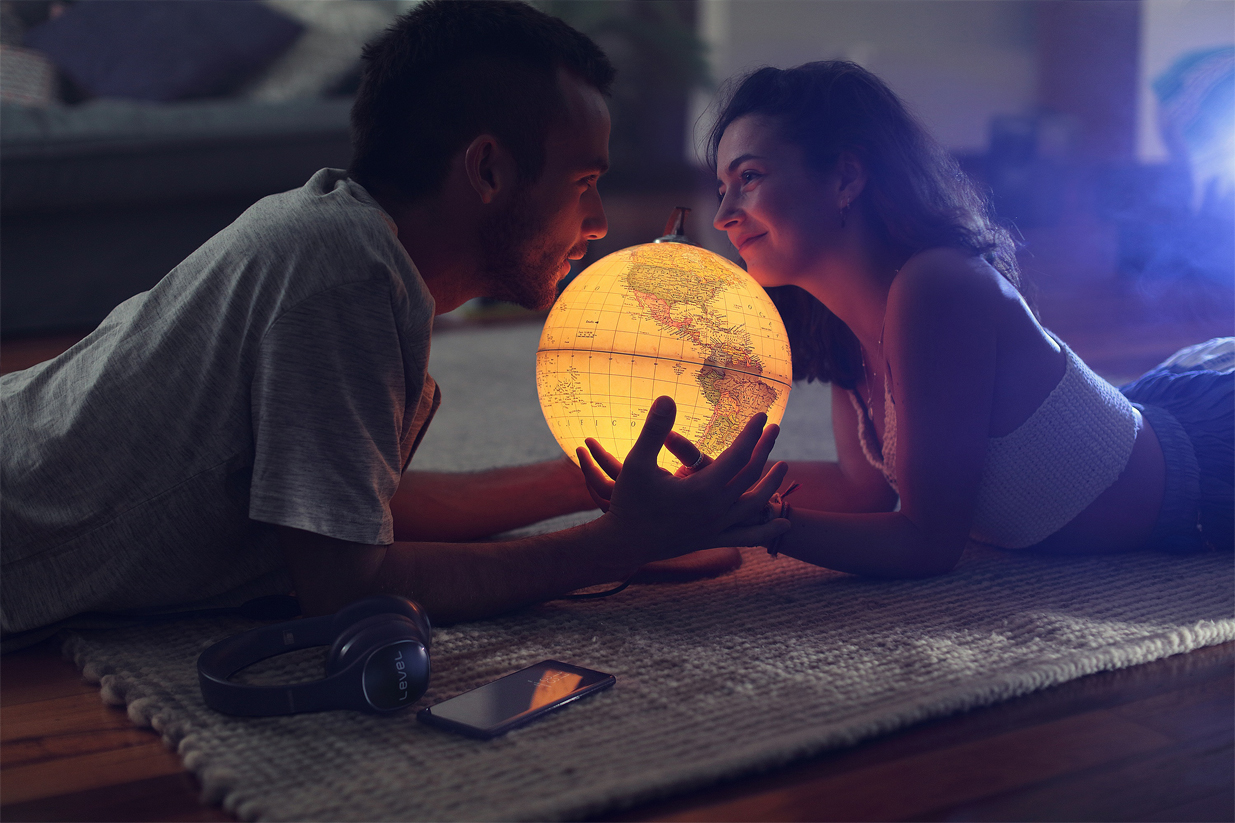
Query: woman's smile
[
  {"x": 740, "y": 242},
  {"x": 771, "y": 203}
]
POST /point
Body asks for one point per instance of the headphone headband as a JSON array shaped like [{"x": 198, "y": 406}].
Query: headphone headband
[{"x": 378, "y": 662}]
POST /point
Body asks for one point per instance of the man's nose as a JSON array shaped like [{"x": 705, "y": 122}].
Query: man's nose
[{"x": 595, "y": 224}]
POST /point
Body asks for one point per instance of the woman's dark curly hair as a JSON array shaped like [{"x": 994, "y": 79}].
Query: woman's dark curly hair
[{"x": 916, "y": 196}]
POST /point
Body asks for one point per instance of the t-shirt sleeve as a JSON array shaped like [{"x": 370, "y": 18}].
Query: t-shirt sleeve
[{"x": 329, "y": 396}]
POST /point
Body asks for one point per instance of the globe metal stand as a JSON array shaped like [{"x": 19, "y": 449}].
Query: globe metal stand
[{"x": 675, "y": 229}]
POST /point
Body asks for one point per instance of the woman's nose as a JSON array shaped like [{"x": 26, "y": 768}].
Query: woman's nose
[{"x": 726, "y": 214}]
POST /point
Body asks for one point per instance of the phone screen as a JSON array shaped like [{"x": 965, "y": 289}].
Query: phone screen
[{"x": 508, "y": 702}]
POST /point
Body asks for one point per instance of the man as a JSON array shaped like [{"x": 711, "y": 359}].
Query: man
[{"x": 243, "y": 427}]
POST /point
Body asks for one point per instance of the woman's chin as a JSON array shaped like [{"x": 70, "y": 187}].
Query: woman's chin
[
  {"x": 765, "y": 278},
  {"x": 752, "y": 266}
]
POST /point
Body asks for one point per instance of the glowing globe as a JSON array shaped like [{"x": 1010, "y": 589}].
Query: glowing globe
[{"x": 661, "y": 318}]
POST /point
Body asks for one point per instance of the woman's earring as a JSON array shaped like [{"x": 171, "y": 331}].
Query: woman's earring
[{"x": 844, "y": 212}]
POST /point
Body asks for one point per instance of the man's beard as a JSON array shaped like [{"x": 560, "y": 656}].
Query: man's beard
[{"x": 519, "y": 267}]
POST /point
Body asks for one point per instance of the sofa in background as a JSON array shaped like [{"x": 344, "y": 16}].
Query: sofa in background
[
  {"x": 100, "y": 200},
  {"x": 164, "y": 122}
]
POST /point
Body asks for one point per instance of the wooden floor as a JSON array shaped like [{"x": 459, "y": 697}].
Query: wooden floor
[{"x": 1154, "y": 742}]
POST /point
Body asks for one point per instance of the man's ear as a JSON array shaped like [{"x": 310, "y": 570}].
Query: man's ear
[
  {"x": 490, "y": 168},
  {"x": 851, "y": 177}
]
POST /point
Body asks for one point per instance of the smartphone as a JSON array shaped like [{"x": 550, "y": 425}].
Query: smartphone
[{"x": 511, "y": 701}]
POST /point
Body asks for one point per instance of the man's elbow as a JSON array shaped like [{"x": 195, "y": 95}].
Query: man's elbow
[{"x": 329, "y": 573}]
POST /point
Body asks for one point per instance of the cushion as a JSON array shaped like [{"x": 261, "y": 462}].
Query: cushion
[
  {"x": 163, "y": 50},
  {"x": 326, "y": 53},
  {"x": 29, "y": 78}
]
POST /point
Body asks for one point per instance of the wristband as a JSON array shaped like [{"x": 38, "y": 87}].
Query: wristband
[{"x": 785, "y": 511}]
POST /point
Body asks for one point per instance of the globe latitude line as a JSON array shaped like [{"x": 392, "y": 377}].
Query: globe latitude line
[{"x": 700, "y": 364}]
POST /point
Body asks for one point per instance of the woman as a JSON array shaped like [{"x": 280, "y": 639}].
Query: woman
[{"x": 898, "y": 288}]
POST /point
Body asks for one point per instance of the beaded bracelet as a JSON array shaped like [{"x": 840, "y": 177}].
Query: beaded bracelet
[{"x": 785, "y": 511}]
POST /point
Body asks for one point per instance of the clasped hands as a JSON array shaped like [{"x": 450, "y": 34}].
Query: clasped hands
[{"x": 706, "y": 503}]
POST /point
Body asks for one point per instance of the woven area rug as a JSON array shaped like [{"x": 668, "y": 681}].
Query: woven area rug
[{"x": 715, "y": 679}]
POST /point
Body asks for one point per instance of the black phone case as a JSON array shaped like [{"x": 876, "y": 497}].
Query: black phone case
[{"x": 427, "y": 716}]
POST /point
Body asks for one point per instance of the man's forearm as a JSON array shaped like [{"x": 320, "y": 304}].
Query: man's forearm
[
  {"x": 470, "y": 581},
  {"x": 459, "y": 581},
  {"x": 444, "y": 506}
]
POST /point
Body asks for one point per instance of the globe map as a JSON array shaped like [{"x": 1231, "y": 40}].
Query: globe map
[{"x": 661, "y": 318}]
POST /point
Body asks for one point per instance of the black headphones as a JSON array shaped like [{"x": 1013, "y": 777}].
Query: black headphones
[{"x": 378, "y": 662}]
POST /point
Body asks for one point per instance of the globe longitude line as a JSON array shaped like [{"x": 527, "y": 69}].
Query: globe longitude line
[{"x": 670, "y": 359}]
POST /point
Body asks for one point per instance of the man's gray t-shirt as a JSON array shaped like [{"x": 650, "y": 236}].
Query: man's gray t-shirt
[{"x": 275, "y": 377}]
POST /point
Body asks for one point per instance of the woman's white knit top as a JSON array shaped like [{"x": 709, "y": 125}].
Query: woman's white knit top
[{"x": 1046, "y": 472}]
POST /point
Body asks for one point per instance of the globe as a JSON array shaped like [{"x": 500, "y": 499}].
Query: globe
[{"x": 661, "y": 318}]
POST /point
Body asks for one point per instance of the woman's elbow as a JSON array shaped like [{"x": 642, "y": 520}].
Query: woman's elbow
[
  {"x": 939, "y": 559},
  {"x": 875, "y": 500},
  {"x": 931, "y": 555},
  {"x": 932, "y": 566}
]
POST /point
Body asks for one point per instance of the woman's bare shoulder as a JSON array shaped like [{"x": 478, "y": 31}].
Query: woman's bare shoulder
[
  {"x": 944, "y": 281},
  {"x": 948, "y": 267}
]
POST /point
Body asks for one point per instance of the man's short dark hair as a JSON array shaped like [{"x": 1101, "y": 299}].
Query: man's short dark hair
[{"x": 450, "y": 70}]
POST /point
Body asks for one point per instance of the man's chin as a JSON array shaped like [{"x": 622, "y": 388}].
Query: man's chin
[
  {"x": 544, "y": 298},
  {"x": 538, "y": 299},
  {"x": 534, "y": 304},
  {"x": 544, "y": 301}
]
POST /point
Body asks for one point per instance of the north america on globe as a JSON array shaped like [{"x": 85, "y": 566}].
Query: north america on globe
[{"x": 657, "y": 319}]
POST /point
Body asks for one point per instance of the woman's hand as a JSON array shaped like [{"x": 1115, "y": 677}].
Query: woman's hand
[
  {"x": 688, "y": 453},
  {"x": 667, "y": 515}
]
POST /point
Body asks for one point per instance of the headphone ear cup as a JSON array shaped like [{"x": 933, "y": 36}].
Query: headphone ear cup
[
  {"x": 420, "y": 619},
  {"x": 355, "y": 640},
  {"x": 392, "y": 664},
  {"x": 380, "y": 604}
]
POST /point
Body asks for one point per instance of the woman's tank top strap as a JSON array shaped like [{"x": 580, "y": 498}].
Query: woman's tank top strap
[{"x": 881, "y": 456}]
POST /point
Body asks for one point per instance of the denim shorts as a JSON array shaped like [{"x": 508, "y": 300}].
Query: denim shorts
[{"x": 1190, "y": 402}]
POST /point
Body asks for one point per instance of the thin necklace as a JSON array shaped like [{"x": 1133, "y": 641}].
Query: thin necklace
[
  {"x": 862, "y": 351},
  {"x": 868, "y": 376}
]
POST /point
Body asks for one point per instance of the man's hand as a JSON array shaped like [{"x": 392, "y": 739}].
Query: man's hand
[{"x": 664, "y": 515}]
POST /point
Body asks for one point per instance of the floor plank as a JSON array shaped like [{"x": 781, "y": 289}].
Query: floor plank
[
  {"x": 1218, "y": 807},
  {"x": 1186, "y": 714},
  {"x": 1204, "y": 678},
  {"x": 947, "y": 777},
  {"x": 39, "y": 673},
  {"x": 63, "y": 728},
  {"x": 166, "y": 798},
  {"x": 111, "y": 767},
  {"x": 1138, "y": 786}
]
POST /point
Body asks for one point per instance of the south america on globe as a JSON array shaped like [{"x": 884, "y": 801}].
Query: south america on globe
[{"x": 665, "y": 318}]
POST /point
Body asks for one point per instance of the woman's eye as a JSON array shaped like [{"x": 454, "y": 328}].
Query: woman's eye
[
  {"x": 720, "y": 197},
  {"x": 748, "y": 176}
]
